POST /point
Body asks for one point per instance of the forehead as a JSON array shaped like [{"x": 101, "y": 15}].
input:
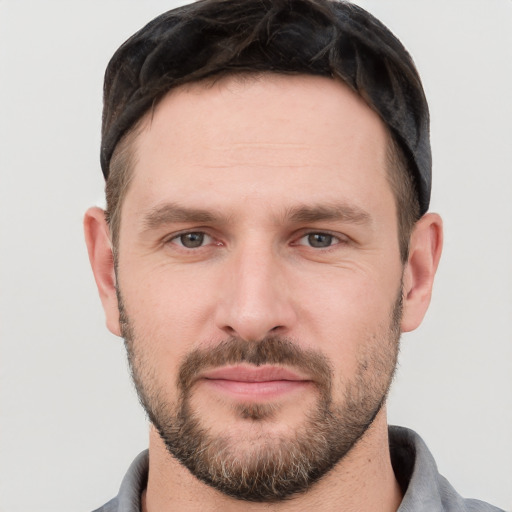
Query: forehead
[{"x": 257, "y": 133}]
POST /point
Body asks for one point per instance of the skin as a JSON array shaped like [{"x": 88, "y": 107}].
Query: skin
[{"x": 250, "y": 153}]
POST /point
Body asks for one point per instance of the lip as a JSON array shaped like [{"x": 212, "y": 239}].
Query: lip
[
  {"x": 253, "y": 382},
  {"x": 247, "y": 373}
]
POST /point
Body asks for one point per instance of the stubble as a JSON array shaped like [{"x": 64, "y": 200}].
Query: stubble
[{"x": 270, "y": 467}]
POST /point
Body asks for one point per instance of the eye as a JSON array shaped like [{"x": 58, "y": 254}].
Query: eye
[
  {"x": 192, "y": 240},
  {"x": 319, "y": 240}
]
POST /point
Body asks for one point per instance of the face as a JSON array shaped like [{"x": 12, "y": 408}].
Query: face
[{"x": 259, "y": 279}]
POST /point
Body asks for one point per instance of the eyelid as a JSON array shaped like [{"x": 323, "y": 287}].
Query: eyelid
[
  {"x": 339, "y": 238},
  {"x": 171, "y": 238},
  {"x": 206, "y": 239}
]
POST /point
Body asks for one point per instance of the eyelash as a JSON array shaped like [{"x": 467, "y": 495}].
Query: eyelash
[
  {"x": 174, "y": 239},
  {"x": 334, "y": 239}
]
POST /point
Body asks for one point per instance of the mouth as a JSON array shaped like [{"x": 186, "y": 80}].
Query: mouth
[{"x": 255, "y": 383}]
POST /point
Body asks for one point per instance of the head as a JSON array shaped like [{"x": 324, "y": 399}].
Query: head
[{"x": 267, "y": 165}]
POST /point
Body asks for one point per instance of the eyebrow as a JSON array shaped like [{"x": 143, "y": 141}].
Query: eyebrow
[
  {"x": 337, "y": 212},
  {"x": 170, "y": 213}
]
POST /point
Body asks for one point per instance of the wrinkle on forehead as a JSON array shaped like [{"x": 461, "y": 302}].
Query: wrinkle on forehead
[
  {"x": 277, "y": 137},
  {"x": 312, "y": 96}
]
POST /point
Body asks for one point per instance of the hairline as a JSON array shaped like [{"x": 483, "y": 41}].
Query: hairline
[{"x": 125, "y": 155}]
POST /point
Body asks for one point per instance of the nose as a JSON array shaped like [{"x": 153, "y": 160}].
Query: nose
[{"x": 254, "y": 299}]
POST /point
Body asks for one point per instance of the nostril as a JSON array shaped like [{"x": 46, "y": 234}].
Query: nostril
[{"x": 229, "y": 330}]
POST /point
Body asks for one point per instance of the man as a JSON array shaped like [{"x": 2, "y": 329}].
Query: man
[{"x": 266, "y": 241}]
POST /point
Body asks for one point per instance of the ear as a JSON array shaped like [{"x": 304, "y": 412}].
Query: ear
[
  {"x": 97, "y": 238},
  {"x": 424, "y": 253}
]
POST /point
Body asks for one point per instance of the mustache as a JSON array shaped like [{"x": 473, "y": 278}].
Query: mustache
[{"x": 269, "y": 351}]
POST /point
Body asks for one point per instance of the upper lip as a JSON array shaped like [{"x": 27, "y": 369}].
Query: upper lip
[{"x": 248, "y": 373}]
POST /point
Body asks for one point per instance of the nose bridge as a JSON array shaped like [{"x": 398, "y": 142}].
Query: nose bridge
[{"x": 254, "y": 301}]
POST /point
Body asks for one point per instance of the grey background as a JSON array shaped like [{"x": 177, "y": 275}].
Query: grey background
[{"x": 69, "y": 419}]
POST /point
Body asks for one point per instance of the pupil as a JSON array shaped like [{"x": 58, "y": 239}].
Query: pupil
[
  {"x": 191, "y": 240},
  {"x": 319, "y": 240}
]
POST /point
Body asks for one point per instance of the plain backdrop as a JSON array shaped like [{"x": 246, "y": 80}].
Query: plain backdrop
[{"x": 70, "y": 423}]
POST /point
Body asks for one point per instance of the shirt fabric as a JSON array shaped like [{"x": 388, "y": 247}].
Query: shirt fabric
[{"x": 425, "y": 490}]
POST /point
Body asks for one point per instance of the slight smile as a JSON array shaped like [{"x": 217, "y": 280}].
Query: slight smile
[{"x": 255, "y": 383}]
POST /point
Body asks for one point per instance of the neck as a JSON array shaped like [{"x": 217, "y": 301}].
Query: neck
[{"x": 362, "y": 480}]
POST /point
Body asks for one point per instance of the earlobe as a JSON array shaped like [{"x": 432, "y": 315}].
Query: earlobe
[
  {"x": 424, "y": 253},
  {"x": 99, "y": 248}
]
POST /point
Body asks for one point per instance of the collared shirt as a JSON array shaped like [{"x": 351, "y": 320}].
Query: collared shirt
[{"x": 425, "y": 490}]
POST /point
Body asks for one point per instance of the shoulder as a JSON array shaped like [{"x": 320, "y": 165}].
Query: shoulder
[
  {"x": 132, "y": 486},
  {"x": 424, "y": 488},
  {"x": 111, "y": 506}
]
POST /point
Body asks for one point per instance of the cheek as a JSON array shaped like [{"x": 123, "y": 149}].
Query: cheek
[
  {"x": 171, "y": 309},
  {"x": 348, "y": 315}
]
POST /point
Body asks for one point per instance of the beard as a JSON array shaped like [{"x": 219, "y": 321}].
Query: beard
[{"x": 268, "y": 467}]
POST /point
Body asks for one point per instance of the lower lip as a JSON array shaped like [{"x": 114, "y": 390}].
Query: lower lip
[{"x": 257, "y": 390}]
